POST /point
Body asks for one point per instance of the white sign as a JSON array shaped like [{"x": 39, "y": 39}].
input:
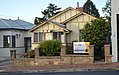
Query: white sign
[{"x": 80, "y": 47}]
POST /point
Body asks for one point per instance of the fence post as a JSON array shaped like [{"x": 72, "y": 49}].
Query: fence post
[
  {"x": 63, "y": 49},
  {"x": 13, "y": 54},
  {"x": 37, "y": 54},
  {"x": 91, "y": 51},
  {"x": 108, "y": 56}
]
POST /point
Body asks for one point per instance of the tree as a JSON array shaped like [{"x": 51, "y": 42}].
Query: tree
[
  {"x": 51, "y": 10},
  {"x": 90, "y": 8},
  {"x": 96, "y": 32},
  {"x": 38, "y": 20},
  {"x": 107, "y": 10}
]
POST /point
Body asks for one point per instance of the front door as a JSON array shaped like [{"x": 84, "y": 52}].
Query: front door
[{"x": 27, "y": 43}]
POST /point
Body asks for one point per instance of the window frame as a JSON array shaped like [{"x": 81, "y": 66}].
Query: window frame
[
  {"x": 12, "y": 43},
  {"x": 36, "y": 38}
]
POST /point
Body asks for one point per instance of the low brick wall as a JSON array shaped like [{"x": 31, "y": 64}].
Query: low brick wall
[{"x": 44, "y": 61}]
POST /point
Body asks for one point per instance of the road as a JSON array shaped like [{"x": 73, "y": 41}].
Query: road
[{"x": 67, "y": 73}]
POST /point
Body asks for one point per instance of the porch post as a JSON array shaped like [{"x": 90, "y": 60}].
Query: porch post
[
  {"x": 63, "y": 46},
  {"x": 63, "y": 38},
  {"x": 43, "y": 36}
]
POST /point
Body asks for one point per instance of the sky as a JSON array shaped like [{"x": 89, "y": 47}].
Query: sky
[{"x": 29, "y": 9}]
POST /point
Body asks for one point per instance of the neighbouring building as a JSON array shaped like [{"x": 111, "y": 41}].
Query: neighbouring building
[
  {"x": 14, "y": 36},
  {"x": 115, "y": 29},
  {"x": 66, "y": 25}
]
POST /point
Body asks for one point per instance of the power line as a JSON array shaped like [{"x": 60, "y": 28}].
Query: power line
[{"x": 16, "y": 17}]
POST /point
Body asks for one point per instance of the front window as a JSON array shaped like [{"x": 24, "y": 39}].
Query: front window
[
  {"x": 35, "y": 37},
  {"x": 6, "y": 42},
  {"x": 13, "y": 42},
  {"x": 57, "y": 35},
  {"x": 38, "y": 37},
  {"x": 54, "y": 35},
  {"x": 9, "y": 41}
]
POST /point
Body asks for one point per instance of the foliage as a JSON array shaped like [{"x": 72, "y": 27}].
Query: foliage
[
  {"x": 30, "y": 54},
  {"x": 90, "y": 8},
  {"x": 38, "y": 20},
  {"x": 49, "y": 47},
  {"x": 50, "y": 11},
  {"x": 107, "y": 10},
  {"x": 96, "y": 32}
]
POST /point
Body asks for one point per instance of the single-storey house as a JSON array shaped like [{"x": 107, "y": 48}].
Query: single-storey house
[
  {"x": 65, "y": 26},
  {"x": 14, "y": 36}
]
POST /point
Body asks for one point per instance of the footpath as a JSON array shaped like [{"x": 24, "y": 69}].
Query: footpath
[{"x": 100, "y": 66}]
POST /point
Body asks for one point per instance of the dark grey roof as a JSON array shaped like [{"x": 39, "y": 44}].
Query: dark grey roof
[
  {"x": 56, "y": 23},
  {"x": 15, "y": 24},
  {"x": 61, "y": 25}
]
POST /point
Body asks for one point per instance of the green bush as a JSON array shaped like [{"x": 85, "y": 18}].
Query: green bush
[{"x": 50, "y": 47}]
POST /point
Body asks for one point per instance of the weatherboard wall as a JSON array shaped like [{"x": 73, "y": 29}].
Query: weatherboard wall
[
  {"x": 76, "y": 25},
  {"x": 5, "y": 52},
  {"x": 66, "y": 14}
]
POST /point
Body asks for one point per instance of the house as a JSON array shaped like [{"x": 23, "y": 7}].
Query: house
[
  {"x": 65, "y": 26},
  {"x": 115, "y": 29},
  {"x": 14, "y": 36}
]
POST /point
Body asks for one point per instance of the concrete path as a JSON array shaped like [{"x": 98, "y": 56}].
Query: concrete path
[{"x": 4, "y": 61}]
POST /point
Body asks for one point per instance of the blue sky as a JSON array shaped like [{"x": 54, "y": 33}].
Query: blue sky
[{"x": 29, "y": 9}]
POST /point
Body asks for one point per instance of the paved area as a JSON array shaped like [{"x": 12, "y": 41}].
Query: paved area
[
  {"x": 4, "y": 62},
  {"x": 65, "y": 68}
]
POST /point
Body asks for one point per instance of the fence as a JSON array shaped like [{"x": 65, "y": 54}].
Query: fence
[
  {"x": 63, "y": 59},
  {"x": 68, "y": 59}
]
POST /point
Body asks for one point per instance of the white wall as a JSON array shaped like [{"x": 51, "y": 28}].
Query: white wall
[
  {"x": 19, "y": 41},
  {"x": 115, "y": 11}
]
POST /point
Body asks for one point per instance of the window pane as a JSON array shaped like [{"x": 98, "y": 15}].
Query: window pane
[
  {"x": 40, "y": 36},
  {"x": 13, "y": 42},
  {"x": 5, "y": 42},
  {"x": 54, "y": 35},
  {"x": 35, "y": 37}
]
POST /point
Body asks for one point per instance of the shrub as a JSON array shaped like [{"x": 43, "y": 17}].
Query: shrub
[
  {"x": 30, "y": 54},
  {"x": 50, "y": 47}
]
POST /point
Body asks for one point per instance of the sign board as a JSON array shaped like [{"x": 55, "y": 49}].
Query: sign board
[{"x": 81, "y": 47}]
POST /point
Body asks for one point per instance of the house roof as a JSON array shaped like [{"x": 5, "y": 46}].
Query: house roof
[
  {"x": 15, "y": 24},
  {"x": 60, "y": 24},
  {"x": 69, "y": 8},
  {"x": 49, "y": 21}
]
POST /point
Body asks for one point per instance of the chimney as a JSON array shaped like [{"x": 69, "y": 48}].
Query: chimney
[
  {"x": 79, "y": 8},
  {"x": 77, "y": 4},
  {"x": 18, "y": 18}
]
